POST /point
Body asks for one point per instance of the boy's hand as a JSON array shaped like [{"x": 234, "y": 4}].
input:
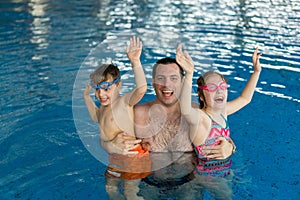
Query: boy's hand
[
  {"x": 134, "y": 49},
  {"x": 184, "y": 60},
  {"x": 255, "y": 60},
  {"x": 87, "y": 90}
]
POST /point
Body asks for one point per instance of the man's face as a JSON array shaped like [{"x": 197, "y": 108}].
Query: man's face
[{"x": 167, "y": 83}]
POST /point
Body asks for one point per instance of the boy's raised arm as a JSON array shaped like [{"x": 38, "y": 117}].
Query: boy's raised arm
[
  {"x": 90, "y": 103},
  {"x": 248, "y": 91},
  {"x": 133, "y": 52}
]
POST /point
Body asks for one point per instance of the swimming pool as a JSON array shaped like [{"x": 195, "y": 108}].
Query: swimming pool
[{"x": 45, "y": 46}]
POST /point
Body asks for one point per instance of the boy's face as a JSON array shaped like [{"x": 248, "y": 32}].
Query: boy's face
[
  {"x": 109, "y": 94},
  {"x": 167, "y": 83}
]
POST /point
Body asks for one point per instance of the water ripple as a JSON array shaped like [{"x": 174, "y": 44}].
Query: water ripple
[{"x": 43, "y": 43}]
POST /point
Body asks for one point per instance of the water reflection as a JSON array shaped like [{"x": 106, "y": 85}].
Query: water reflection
[
  {"x": 39, "y": 25},
  {"x": 44, "y": 42},
  {"x": 221, "y": 36}
]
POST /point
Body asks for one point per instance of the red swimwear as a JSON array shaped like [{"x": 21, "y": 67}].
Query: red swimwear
[
  {"x": 214, "y": 167},
  {"x": 129, "y": 167}
]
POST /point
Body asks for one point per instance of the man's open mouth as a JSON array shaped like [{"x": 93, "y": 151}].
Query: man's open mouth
[{"x": 167, "y": 93}]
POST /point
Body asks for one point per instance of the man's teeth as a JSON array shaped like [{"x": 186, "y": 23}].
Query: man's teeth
[{"x": 167, "y": 92}]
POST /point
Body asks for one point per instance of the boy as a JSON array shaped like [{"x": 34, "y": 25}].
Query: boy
[{"x": 115, "y": 116}]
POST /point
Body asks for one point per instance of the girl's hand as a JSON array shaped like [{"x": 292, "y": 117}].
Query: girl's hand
[
  {"x": 255, "y": 60},
  {"x": 184, "y": 60},
  {"x": 134, "y": 49}
]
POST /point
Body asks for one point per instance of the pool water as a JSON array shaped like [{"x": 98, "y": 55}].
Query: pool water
[{"x": 49, "y": 146}]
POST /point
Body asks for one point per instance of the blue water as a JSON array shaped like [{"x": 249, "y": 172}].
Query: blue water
[{"x": 47, "y": 49}]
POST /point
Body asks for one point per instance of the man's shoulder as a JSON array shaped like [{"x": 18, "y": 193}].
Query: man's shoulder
[
  {"x": 141, "y": 111},
  {"x": 143, "y": 106}
]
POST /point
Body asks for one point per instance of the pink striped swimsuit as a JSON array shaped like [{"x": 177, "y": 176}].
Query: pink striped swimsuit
[{"x": 213, "y": 167}]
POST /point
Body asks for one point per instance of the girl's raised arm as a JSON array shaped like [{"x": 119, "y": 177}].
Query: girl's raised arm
[
  {"x": 186, "y": 62},
  {"x": 247, "y": 93}
]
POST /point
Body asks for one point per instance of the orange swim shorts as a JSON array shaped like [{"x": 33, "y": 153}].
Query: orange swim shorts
[{"x": 129, "y": 167}]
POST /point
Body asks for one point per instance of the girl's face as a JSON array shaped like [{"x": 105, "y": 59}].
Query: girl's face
[{"x": 215, "y": 92}]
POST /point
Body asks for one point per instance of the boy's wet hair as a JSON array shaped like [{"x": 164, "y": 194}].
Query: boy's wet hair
[
  {"x": 104, "y": 72},
  {"x": 165, "y": 61},
  {"x": 201, "y": 82}
]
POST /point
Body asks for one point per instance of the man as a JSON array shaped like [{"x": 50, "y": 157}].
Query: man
[{"x": 165, "y": 133}]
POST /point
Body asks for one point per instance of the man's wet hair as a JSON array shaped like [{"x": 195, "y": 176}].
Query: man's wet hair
[{"x": 165, "y": 61}]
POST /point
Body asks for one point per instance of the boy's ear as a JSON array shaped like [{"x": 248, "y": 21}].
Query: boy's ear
[{"x": 119, "y": 85}]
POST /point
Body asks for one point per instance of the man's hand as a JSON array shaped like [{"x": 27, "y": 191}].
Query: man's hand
[
  {"x": 221, "y": 151},
  {"x": 125, "y": 143}
]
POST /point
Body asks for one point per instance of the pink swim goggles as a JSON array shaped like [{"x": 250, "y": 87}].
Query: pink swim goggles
[{"x": 211, "y": 87}]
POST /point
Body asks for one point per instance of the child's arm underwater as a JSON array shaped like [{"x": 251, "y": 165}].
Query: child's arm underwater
[
  {"x": 186, "y": 62},
  {"x": 92, "y": 108},
  {"x": 133, "y": 52},
  {"x": 247, "y": 94}
]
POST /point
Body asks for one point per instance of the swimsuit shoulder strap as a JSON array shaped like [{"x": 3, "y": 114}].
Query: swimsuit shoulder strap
[
  {"x": 226, "y": 122},
  {"x": 216, "y": 123},
  {"x": 208, "y": 116}
]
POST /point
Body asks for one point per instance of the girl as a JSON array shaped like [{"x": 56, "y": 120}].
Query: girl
[{"x": 208, "y": 125}]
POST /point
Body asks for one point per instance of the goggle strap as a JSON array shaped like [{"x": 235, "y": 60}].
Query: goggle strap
[{"x": 202, "y": 87}]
